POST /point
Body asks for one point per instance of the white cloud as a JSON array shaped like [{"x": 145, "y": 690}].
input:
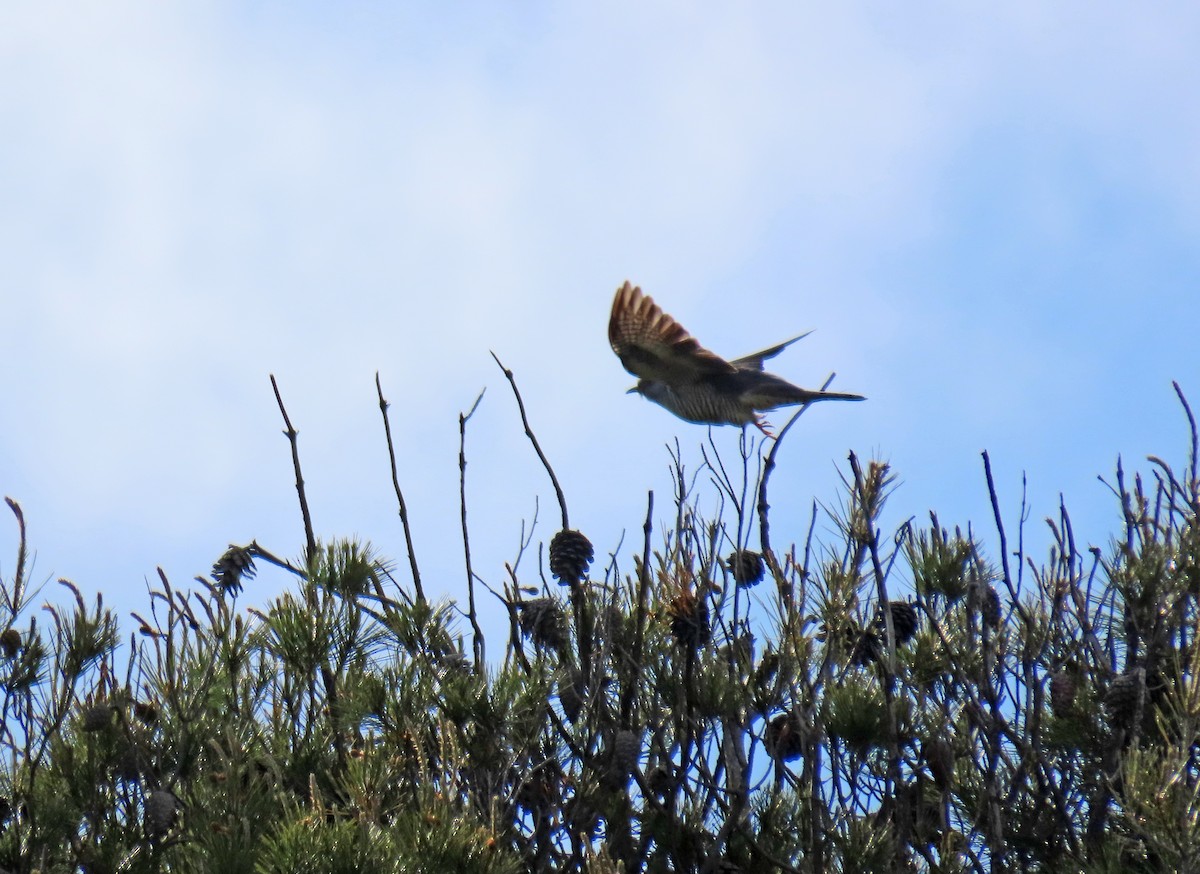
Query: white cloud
[{"x": 197, "y": 199}]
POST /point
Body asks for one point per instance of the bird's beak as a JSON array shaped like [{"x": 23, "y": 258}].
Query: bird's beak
[{"x": 631, "y": 391}]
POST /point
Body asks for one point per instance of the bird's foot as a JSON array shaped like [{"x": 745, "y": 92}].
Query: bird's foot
[{"x": 764, "y": 426}]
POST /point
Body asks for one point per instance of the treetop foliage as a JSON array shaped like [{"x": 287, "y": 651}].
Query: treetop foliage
[{"x": 708, "y": 701}]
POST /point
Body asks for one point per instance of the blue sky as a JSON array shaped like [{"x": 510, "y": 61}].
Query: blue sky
[{"x": 990, "y": 216}]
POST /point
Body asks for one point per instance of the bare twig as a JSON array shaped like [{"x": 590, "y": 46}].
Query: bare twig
[
  {"x": 258, "y": 552},
  {"x": 1194, "y": 449},
  {"x": 764, "y": 526},
  {"x": 562, "y": 501},
  {"x": 523, "y": 539},
  {"x": 408, "y": 539},
  {"x": 310, "y": 552},
  {"x": 477, "y": 643},
  {"x": 18, "y": 583},
  {"x": 991, "y": 484},
  {"x": 639, "y": 634}
]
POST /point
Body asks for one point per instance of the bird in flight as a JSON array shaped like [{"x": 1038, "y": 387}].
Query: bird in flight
[{"x": 676, "y": 372}]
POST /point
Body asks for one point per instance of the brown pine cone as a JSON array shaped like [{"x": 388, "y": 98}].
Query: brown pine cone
[
  {"x": 234, "y": 565},
  {"x": 570, "y": 555},
  {"x": 784, "y": 737},
  {"x": 689, "y": 620},
  {"x": 162, "y": 810},
  {"x": 543, "y": 622},
  {"x": 96, "y": 717},
  {"x": 746, "y": 566},
  {"x": 905, "y": 621},
  {"x": 1063, "y": 686},
  {"x": 1124, "y": 694}
]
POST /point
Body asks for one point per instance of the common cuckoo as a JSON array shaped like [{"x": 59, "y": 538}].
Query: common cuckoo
[{"x": 676, "y": 372}]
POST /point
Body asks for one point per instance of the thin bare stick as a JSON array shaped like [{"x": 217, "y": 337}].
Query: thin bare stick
[
  {"x": 477, "y": 642},
  {"x": 18, "y": 583},
  {"x": 991, "y": 484},
  {"x": 764, "y": 527},
  {"x": 523, "y": 539},
  {"x": 1194, "y": 455},
  {"x": 562, "y": 501},
  {"x": 639, "y": 634},
  {"x": 512, "y": 603},
  {"x": 310, "y": 552},
  {"x": 258, "y": 552},
  {"x": 408, "y": 539},
  {"x": 1020, "y": 553}
]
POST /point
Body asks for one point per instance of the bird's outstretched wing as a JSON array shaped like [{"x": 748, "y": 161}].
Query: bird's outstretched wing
[
  {"x": 652, "y": 345},
  {"x": 755, "y": 361}
]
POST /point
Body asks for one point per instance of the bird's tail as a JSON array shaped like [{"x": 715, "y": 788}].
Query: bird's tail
[
  {"x": 828, "y": 396},
  {"x": 780, "y": 393}
]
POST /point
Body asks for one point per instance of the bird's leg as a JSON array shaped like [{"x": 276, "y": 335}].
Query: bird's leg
[{"x": 763, "y": 425}]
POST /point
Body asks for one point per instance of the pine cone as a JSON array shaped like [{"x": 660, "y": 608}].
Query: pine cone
[
  {"x": 939, "y": 756},
  {"x": 768, "y": 666},
  {"x": 1124, "y": 695},
  {"x": 784, "y": 737},
  {"x": 572, "y": 696},
  {"x": 746, "y": 566},
  {"x": 131, "y": 764},
  {"x": 689, "y": 620},
  {"x": 991, "y": 608},
  {"x": 613, "y": 626},
  {"x": 145, "y": 711},
  {"x": 626, "y": 749},
  {"x": 10, "y": 642},
  {"x": 162, "y": 810},
  {"x": 662, "y": 779},
  {"x": 867, "y": 649},
  {"x": 236, "y": 564},
  {"x": 619, "y": 760},
  {"x": 570, "y": 555},
  {"x": 542, "y": 621},
  {"x": 988, "y": 605},
  {"x": 905, "y": 622},
  {"x": 96, "y": 717},
  {"x": 1063, "y": 686}
]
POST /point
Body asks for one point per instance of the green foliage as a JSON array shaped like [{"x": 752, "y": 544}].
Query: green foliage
[{"x": 672, "y": 715}]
